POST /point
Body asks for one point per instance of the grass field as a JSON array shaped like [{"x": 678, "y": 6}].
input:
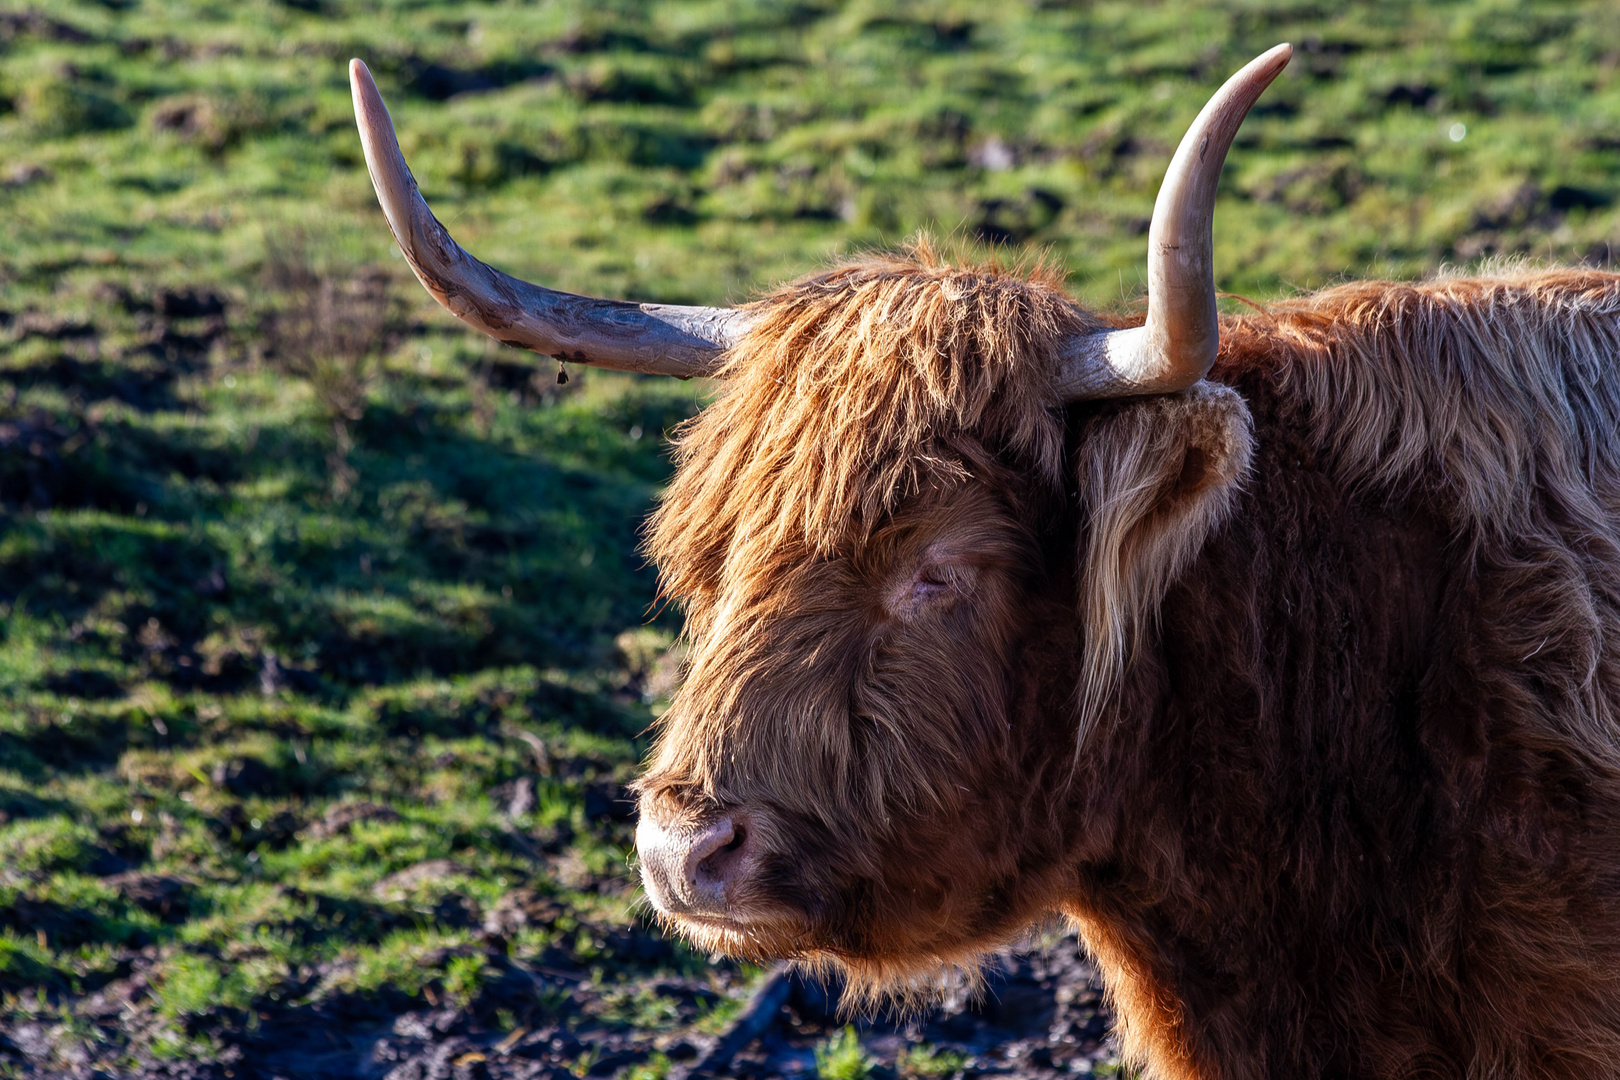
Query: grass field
[{"x": 325, "y": 646}]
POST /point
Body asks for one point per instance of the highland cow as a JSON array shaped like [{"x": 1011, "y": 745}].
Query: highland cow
[{"x": 1280, "y": 652}]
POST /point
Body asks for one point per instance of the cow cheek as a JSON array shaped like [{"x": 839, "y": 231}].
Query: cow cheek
[
  {"x": 988, "y": 858},
  {"x": 937, "y": 871},
  {"x": 945, "y": 908}
]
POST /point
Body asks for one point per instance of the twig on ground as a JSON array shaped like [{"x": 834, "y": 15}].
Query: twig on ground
[
  {"x": 755, "y": 1020},
  {"x": 537, "y": 745}
]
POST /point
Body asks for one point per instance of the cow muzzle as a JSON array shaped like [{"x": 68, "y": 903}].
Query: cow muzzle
[{"x": 697, "y": 869}]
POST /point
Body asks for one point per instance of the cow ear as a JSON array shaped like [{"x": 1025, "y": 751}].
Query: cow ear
[{"x": 1155, "y": 476}]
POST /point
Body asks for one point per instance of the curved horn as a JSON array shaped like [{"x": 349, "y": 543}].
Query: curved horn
[
  {"x": 663, "y": 339},
  {"x": 1176, "y": 346}
]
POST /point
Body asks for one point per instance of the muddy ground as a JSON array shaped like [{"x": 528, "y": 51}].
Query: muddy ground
[{"x": 1039, "y": 1013}]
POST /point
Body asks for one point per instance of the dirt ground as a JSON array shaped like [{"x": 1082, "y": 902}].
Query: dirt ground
[{"x": 1039, "y": 1013}]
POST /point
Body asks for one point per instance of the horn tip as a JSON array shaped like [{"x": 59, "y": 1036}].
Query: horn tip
[{"x": 369, "y": 111}]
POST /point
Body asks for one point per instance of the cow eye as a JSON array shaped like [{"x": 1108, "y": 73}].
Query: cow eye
[{"x": 931, "y": 581}]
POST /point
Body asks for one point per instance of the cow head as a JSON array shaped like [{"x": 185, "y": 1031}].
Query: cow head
[
  {"x": 911, "y": 565},
  {"x": 889, "y": 536}
]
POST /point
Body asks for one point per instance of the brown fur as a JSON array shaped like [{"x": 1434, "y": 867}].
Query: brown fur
[{"x": 1294, "y": 691}]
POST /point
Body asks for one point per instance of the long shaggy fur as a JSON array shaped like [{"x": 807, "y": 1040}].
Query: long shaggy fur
[
  {"x": 850, "y": 390},
  {"x": 1334, "y": 635}
]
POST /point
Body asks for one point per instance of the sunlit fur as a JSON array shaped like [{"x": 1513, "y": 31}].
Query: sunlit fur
[
  {"x": 887, "y": 384},
  {"x": 1295, "y": 692}
]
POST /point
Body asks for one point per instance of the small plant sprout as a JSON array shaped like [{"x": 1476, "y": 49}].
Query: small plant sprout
[
  {"x": 463, "y": 979},
  {"x": 925, "y": 1060},
  {"x": 842, "y": 1057}
]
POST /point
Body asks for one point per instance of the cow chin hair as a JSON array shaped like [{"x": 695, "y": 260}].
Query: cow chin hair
[
  {"x": 906, "y": 985},
  {"x": 902, "y": 988},
  {"x": 901, "y": 985}
]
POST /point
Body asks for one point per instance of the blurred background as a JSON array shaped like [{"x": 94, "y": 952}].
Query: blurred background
[{"x": 325, "y": 645}]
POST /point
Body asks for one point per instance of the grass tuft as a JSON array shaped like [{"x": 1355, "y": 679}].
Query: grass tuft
[{"x": 842, "y": 1057}]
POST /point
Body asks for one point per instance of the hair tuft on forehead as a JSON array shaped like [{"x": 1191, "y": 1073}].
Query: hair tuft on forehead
[{"x": 851, "y": 388}]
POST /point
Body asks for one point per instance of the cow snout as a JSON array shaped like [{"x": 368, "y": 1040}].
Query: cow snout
[{"x": 695, "y": 870}]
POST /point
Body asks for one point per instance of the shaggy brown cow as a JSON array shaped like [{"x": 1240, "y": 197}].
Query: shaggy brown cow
[{"x": 1293, "y": 686}]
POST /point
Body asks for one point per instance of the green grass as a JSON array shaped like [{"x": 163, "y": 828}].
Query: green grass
[
  {"x": 843, "y": 1058},
  {"x": 320, "y": 643},
  {"x": 923, "y": 1060}
]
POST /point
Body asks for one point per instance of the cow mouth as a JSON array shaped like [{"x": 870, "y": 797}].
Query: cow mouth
[
  {"x": 747, "y": 917},
  {"x": 746, "y": 935}
]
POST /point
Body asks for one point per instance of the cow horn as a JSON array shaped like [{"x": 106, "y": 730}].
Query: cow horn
[
  {"x": 663, "y": 339},
  {"x": 1176, "y": 346}
]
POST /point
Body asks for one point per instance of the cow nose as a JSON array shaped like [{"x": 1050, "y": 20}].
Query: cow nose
[{"x": 689, "y": 871}]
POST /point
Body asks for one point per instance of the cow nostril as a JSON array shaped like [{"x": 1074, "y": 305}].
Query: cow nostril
[
  {"x": 720, "y": 866},
  {"x": 696, "y": 870}
]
